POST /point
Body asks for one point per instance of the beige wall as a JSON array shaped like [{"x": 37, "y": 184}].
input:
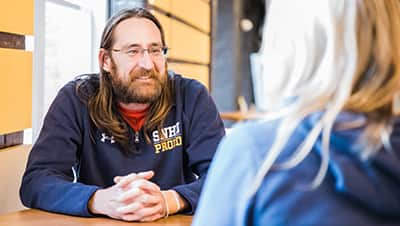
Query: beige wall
[
  {"x": 13, "y": 162},
  {"x": 16, "y": 18},
  {"x": 187, "y": 26},
  {"x": 199, "y": 72},
  {"x": 15, "y": 90}
]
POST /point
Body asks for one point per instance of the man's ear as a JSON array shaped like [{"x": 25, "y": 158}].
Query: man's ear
[{"x": 104, "y": 60}]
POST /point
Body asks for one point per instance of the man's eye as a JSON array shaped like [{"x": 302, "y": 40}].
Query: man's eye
[
  {"x": 132, "y": 51},
  {"x": 155, "y": 50}
]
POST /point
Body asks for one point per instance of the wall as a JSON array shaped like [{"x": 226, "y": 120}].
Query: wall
[
  {"x": 13, "y": 161},
  {"x": 186, "y": 25},
  {"x": 16, "y": 21},
  {"x": 16, "y": 24}
]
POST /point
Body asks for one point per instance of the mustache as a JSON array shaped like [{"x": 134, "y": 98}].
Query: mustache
[{"x": 143, "y": 73}]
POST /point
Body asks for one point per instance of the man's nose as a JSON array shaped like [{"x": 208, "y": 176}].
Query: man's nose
[{"x": 145, "y": 61}]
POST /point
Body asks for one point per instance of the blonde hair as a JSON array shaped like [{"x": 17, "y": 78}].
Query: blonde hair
[{"x": 329, "y": 56}]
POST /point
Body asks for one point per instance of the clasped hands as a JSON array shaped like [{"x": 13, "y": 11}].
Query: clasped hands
[{"x": 132, "y": 198}]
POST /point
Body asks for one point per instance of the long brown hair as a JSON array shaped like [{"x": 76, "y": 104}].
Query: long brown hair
[
  {"x": 102, "y": 105},
  {"x": 377, "y": 73}
]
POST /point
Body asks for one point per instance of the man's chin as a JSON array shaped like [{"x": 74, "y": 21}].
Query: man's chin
[
  {"x": 143, "y": 97},
  {"x": 144, "y": 100}
]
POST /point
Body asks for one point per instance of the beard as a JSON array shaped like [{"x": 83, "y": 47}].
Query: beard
[{"x": 141, "y": 86}]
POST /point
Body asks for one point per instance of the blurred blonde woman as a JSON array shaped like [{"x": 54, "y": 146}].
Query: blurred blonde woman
[{"x": 328, "y": 152}]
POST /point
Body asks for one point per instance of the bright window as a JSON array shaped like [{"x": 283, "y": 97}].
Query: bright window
[{"x": 67, "y": 34}]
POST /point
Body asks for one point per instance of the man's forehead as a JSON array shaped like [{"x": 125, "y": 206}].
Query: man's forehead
[{"x": 140, "y": 31}]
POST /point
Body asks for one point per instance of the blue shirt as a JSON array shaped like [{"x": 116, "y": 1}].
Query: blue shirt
[{"x": 353, "y": 192}]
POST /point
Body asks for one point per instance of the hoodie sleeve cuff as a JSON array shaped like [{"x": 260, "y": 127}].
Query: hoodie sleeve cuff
[
  {"x": 86, "y": 195},
  {"x": 190, "y": 197}
]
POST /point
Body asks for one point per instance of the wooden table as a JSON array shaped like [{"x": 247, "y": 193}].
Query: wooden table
[{"x": 33, "y": 217}]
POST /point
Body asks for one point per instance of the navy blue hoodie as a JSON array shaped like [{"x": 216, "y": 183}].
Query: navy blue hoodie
[
  {"x": 353, "y": 192},
  {"x": 69, "y": 144}
]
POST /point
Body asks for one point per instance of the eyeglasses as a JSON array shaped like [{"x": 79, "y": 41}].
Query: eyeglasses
[{"x": 155, "y": 52}]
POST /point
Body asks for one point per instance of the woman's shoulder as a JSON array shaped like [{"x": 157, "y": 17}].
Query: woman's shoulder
[
  {"x": 252, "y": 137},
  {"x": 253, "y": 130},
  {"x": 257, "y": 137}
]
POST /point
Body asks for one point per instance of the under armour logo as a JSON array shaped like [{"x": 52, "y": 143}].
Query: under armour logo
[{"x": 105, "y": 138}]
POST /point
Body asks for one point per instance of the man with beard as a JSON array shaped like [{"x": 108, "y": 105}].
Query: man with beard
[{"x": 132, "y": 143}]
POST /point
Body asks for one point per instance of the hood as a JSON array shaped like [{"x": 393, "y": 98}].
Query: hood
[{"x": 373, "y": 183}]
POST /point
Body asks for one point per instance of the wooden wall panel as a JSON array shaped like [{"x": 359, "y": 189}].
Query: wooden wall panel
[
  {"x": 185, "y": 43},
  {"x": 195, "y": 12},
  {"x": 187, "y": 29},
  {"x": 17, "y": 16},
  {"x": 15, "y": 90},
  {"x": 189, "y": 44},
  {"x": 162, "y": 4},
  {"x": 166, "y": 24},
  {"x": 198, "y": 72}
]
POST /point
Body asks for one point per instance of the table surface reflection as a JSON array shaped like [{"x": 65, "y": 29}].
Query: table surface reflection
[{"x": 33, "y": 217}]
